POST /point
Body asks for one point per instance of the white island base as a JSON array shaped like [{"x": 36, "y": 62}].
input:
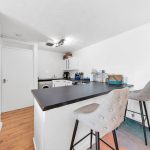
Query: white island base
[{"x": 53, "y": 128}]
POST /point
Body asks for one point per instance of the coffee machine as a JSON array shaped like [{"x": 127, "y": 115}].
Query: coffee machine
[{"x": 66, "y": 75}]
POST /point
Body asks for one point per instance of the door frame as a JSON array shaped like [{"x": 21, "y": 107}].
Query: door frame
[{"x": 0, "y": 82}]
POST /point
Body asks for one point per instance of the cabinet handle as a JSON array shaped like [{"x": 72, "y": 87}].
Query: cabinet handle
[{"x": 66, "y": 64}]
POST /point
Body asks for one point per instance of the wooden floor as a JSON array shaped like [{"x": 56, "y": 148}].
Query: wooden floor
[{"x": 17, "y": 131}]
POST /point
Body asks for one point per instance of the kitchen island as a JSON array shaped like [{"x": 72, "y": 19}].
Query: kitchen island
[{"x": 53, "y": 113}]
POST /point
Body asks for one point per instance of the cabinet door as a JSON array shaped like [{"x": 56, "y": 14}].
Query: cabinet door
[
  {"x": 66, "y": 64},
  {"x": 58, "y": 83},
  {"x": 68, "y": 83},
  {"x": 73, "y": 63}
]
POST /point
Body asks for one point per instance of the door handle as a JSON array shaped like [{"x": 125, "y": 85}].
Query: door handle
[{"x": 4, "y": 80}]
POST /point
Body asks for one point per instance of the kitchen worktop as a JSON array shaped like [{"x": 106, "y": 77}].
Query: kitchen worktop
[
  {"x": 60, "y": 96},
  {"x": 48, "y": 79},
  {"x": 74, "y": 81}
]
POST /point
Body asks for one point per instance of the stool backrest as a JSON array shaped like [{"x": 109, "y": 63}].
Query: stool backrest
[
  {"x": 110, "y": 113},
  {"x": 145, "y": 93}
]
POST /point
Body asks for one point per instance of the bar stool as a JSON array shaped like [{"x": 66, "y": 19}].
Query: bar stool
[
  {"x": 141, "y": 96},
  {"x": 102, "y": 118}
]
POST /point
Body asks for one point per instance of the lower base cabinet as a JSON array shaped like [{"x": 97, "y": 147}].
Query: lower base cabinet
[{"x": 59, "y": 83}]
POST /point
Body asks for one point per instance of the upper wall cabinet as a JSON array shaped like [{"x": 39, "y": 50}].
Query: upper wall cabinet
[{"x": 71, "y": 64}]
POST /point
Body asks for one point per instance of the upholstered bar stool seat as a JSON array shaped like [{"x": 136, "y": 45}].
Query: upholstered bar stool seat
[
  {"x": 102, "y": 118},
  {"x": 142, "y": 96}
]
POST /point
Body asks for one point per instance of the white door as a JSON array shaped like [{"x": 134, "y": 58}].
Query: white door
[{"x": 17, "y": 78}]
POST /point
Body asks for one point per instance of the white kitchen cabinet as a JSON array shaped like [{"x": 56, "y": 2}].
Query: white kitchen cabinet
[
  {"x": 68, "y": 83},
  {"x": 71, "y": 63},
  {"x": 65, "y": 65},
  {"x": 59, "y": 83}
]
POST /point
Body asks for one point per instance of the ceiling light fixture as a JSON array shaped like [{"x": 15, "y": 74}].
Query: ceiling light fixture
[{"x": 55, "y": 43}]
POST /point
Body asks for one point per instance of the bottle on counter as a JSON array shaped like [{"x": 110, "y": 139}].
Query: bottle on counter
[
  {"x": 103, "y": 76},
  {"x": 99, "y": 75}
]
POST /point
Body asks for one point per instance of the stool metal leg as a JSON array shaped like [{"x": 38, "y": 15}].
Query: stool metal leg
[
  {"x": 143, "y": 122},
  {"x": 146, "y": 115},
  {"x": 115, "y": 139},
  {"x": 74, "y": 134},
  {"x": 125, "y": 112},
  {"x": 91, "y": 137},
  {"x": 97, "y": 141}
]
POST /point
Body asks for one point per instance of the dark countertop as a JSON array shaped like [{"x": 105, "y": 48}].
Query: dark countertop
[
  {"x": 61, "y": 96},
  {"x": 48, "y": 79},
  {"x": 71, "y": 79}
]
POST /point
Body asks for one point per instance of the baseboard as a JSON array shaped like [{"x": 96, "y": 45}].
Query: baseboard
[
  {"x": 1, "y": 124},
  {"x": 35, "y": 148}
]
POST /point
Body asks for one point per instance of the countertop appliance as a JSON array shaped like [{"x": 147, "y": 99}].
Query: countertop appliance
[
  {"x": 66, "y": 75},
  {"x": 77, "y": 76}
]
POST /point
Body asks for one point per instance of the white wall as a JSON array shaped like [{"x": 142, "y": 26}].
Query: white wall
[
  {"x": 128, "y": 53},
  {"x": 50, "y": 63}
]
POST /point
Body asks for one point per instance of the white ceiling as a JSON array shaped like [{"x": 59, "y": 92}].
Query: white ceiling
[
  {"x": 85, "y": 21},
  {"x": 14, "y": 29}
]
